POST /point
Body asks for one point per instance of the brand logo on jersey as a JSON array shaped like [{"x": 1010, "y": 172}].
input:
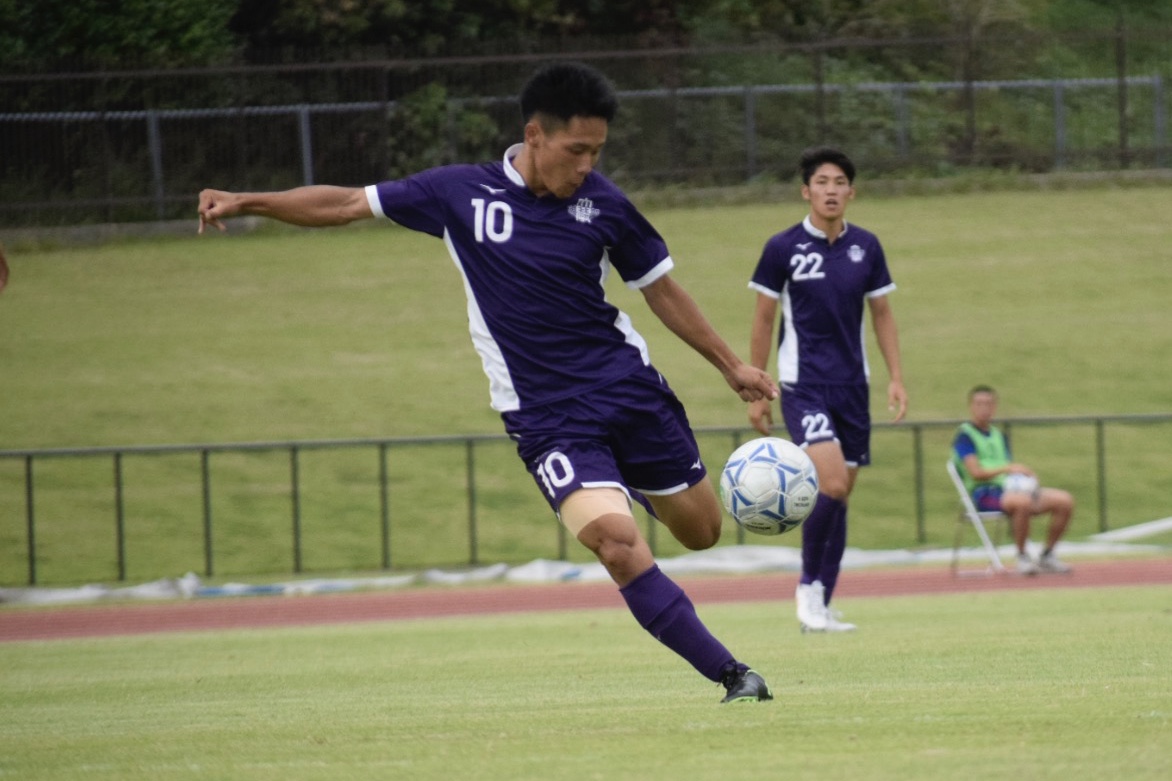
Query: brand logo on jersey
[
  {"x": 583, "y": 210},
  {"x": 697, "y": 465},
  {"x": 493, "y": 190},
  {"x": 856, "y": 253},
  {"x": 802, "y": 247}
]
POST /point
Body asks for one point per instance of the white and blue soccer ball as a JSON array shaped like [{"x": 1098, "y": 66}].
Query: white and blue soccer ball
[
  {"x": 769, "y": 485},
  {"x": 1017, "y": 482}
]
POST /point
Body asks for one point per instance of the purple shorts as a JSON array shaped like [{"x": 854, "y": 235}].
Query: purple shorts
[
  {"x": 987, "y": 498},
  {"x": 830, "y": 413},
  {"x": 633, "y": 435}
]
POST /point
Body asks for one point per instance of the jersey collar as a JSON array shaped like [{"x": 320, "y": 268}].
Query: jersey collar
[
  {"x": 820, "y": 234},
  {"x": 511, "y": 172}
]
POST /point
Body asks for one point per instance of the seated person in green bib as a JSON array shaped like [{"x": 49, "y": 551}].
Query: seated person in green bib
[{"x": 999, "y": 484}]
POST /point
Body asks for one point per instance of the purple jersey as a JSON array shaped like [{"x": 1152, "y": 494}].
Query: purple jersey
[
  {"x": 822, "y": 288},
  {"x": 534, "y": 271}
]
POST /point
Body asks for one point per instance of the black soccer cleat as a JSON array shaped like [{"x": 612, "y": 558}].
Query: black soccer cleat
[{"x": 744, "y": 685}]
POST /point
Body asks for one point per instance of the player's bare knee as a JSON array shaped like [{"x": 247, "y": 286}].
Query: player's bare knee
[
  {"x": 616, "y": 543},
  {"x": 617, "y": 555},
  {"x": 835, "y": 489}
]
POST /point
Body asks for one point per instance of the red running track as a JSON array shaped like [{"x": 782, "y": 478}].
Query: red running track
[{"x": 53, "y": 623}]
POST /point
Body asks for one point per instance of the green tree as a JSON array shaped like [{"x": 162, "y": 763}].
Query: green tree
[
  {"x": 443, "y": 26},
  {"x": 108, "y": 32}
]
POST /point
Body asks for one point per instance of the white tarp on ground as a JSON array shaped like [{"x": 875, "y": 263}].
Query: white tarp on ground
[
  {"x": 1136, "y": 532},
  {"x": 743, "y": 559}
]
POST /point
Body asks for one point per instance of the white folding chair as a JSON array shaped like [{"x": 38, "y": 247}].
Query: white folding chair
[{"x": 969, "y": 515}]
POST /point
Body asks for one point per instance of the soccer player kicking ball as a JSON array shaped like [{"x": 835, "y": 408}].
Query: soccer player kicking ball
[{"x": 534, "y": 236}]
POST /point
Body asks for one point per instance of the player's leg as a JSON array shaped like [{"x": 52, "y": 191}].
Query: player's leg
[
  {"x": 1020, "y": 507},
  {"x": 660, "y": 459},
  {"x": 821, "y": 531},
  {"x": 810, "y": 425},
  {"x": 1060, "y": 505},
  {"x": 583, "y": 454},
  {"x": 824, "y": 520},
  {"x": 601, "y": 520},
  {"x": 835, "y": 545},
  {"x": 851, "y": 423},
  {"x": 808, "y": 421},
  {"x": 691, "y": 515}
]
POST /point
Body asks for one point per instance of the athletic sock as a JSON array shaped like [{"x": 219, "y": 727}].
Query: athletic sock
[
  {"x": 815, "y": 531},
  {"x": 832, "y": 553},
  {"x": 664, "y": 610}
]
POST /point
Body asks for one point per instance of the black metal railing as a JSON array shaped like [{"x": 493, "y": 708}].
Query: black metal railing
[{"x": 921, "y": 469}]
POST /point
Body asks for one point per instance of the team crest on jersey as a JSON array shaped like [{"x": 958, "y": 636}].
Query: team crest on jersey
[
  {"x": 856, "y": 253},
  {"x": 583, "y": 210}
]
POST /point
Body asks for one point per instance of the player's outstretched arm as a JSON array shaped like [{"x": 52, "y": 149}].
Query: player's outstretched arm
[
  {"x": 316, "y": 206},
  {"x": 680, "y": 313}
]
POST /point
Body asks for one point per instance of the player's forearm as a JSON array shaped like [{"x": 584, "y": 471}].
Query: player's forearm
[
  {"x": 887, "y": 337},
  {"x": 761, "y": 332},
  {"x": 313, "y": 206},
  {"x": 760, "y": 341},
  {"x": 679, "y": 312},
  {"x": 699, "y": 334}
]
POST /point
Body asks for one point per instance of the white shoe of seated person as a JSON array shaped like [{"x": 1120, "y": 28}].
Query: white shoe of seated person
[
  {"x": 1051, "y": 563},
  {"x": 1026, "y": 565}
]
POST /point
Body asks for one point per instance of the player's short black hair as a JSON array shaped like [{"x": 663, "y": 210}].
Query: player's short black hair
[
  {"x": 564, "y": 90},
  {"x": 817, "y": 156},
  {"x": 982, "y": 389}
]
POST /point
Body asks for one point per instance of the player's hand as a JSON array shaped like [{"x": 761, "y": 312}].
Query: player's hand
[
  {"x": 896, "y": 400},
  {"x": 751, "y": 383},
  {"x": 761, "y": 415},
  {"x": 3, "y": 270},
  {"x": 214, "y": 205}
]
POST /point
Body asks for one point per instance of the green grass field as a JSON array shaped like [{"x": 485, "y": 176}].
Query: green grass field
[
  {"x": 1058, "y": 684},
  {"x": 1059, "y": 298}
]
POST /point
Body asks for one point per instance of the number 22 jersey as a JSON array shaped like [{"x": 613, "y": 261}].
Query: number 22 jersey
[{"x": 822, "y": 288}]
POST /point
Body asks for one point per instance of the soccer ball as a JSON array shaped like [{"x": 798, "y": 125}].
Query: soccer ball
[
  {"x": 769, "y": 485},
  {"x": 1017, "y": 482}
]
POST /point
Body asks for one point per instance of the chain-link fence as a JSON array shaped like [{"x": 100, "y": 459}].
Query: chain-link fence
[{"x": 137, "y": 145}]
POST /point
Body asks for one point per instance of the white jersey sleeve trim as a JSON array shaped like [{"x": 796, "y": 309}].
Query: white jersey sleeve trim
[
  {"x": 764, "y": 290},
  {"x": 661, "y": 268},
  {"x": 376, "y": 206},
  {"x": 881, "y": 291}
]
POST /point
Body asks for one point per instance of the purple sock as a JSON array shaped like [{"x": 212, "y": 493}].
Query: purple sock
[
  {"x": 832, "y": 555},
  {"x": 815, "y": 534},
  {"x": 663, "y": 609}
]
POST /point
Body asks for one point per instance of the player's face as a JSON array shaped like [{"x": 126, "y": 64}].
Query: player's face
[
  {"x": 982, "y": 407},
  {"x": 563, "y": 154},
  {"x": 828, "y": 193}
]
